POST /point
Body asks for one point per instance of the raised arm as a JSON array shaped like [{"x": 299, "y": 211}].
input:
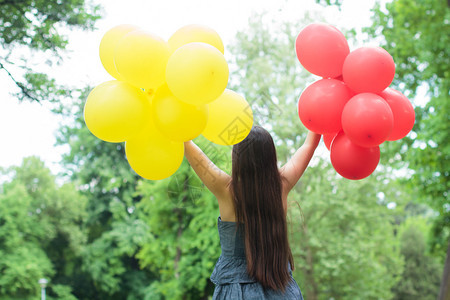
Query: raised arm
[
  {"x": 294, "y": 168},
  {"x": 214, "y": 178}
]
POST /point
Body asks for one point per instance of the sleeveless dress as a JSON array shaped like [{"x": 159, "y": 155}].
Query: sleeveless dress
[{"x": 230, "y": 273}]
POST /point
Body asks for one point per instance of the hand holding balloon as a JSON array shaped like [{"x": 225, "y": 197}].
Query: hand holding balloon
[
  {"x": 357, "y": 101},
  {"x": 166, "y": 93}
]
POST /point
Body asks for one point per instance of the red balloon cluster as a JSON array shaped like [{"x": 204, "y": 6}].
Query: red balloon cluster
[{"x": 352, "y": 105}]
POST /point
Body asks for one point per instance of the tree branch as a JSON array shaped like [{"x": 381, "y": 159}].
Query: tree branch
[
  {"x": 46, "y": 41},
  {"x": 24, "y": 89}
]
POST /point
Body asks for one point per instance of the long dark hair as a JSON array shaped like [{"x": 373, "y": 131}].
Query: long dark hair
[{"x": 257, "y": 193}]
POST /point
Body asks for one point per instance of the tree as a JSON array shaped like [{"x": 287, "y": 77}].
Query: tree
[
  {"x": 268, "y": 74},
  {"x": 146, "y": 239},
  {"x": 29, "y": 27},
  {"x": 342, "y": 238},
  {"x": 182, "y": 217},
  {"x": 40, "y": 233},
  {"x": 416, "y": 34},
  {"x": 115, "y": 231},
  {"x": 421, "y": 275}
]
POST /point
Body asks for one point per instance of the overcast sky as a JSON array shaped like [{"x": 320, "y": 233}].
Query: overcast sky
[{"x": 29, "y": 128}]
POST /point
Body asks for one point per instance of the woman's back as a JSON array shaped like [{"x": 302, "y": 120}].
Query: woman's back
[
  {"x": 256, "y": 255},
  {"x": 230, "y": 273}
]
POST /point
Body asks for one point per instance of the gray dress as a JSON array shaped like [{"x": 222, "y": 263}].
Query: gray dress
[{"x": 230, "y": 273}]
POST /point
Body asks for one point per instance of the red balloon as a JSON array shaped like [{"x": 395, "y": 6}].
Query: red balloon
[
  {"x": 341, "y": 78},
  {"x": 367, "y": 120},
  {"x": 352, "y": 161},
  {"x": 403, "y": 111},
  {"x": 321, "y": 49},
  {"x": 320, "y": 105},
  {"x": 368, "y": 70},
  {"x": 328, "y": 139}
]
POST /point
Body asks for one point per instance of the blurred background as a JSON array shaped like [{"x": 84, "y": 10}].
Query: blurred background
[{"x": 74, "y": 213}]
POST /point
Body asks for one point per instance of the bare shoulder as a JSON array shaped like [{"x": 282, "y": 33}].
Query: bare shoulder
[{"x": 226, "y": 206}]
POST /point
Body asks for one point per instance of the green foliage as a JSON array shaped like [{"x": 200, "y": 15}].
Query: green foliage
[
  {"x": 129, "y": 238},
  {"x": 39, "y": 26},
  {"x": 416, "y": 34},
  {"x": 342, "y": 238},
  {"x": 266, "y": 71},
  {"x": 115, "y": 230},
  {"x": 23, "y": 261},
  {"x": 37, "y": 86},
  {"x": 40, "y": 234},
  {"x": 105, "y": 257},
  {"x": 99, "y": 168},
  {"x": 421, "y": 275},
  {"x": 35, "y": 24},
  {"x": 182, "y": 218},
  {"x": 338, "y": 3},
  {"x": 63, "y": 292}
]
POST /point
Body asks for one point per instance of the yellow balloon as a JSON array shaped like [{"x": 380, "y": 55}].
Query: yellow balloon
[
  {"x": 115, "y": 110},
  {"x": 153, "y": 156},
  {"x": 141, "y": 58},
  {"x": 108, "y": 45},
  {"x": 230, "y": 119},
  {"x": 177, "y": 120},
  {"x": 195, "y": 33},
  {"x": 197, "y": 73}
]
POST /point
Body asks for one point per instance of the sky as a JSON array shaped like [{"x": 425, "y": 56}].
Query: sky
[{"x": 29, "y": 128}]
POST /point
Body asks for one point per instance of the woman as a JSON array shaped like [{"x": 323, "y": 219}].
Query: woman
[{"x": 256, "y": 259}]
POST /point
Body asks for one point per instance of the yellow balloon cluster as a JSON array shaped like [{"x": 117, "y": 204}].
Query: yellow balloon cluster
[{"x": 165, "y": 93}]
